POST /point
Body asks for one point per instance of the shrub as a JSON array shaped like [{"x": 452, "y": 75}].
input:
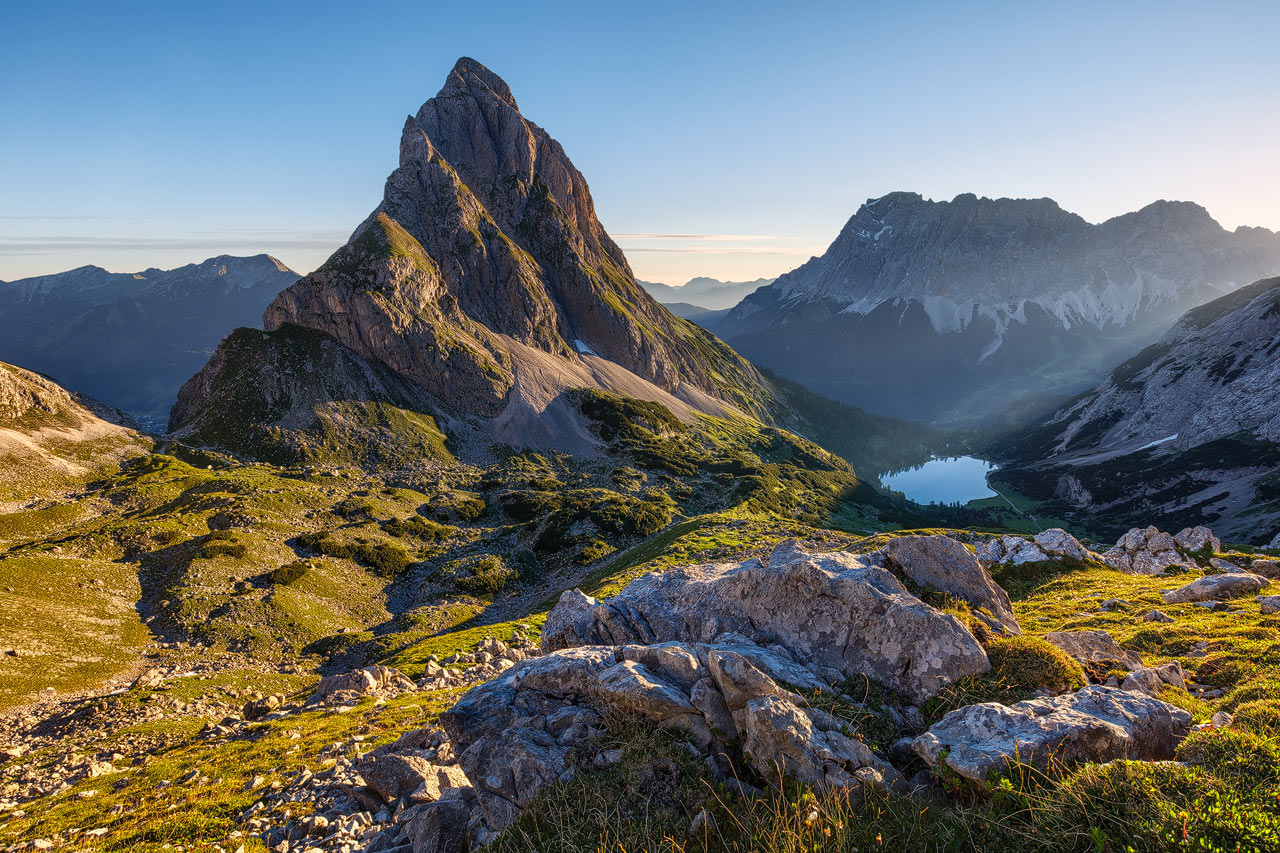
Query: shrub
[
  {"x": 221, "y": 543},
  {"x": 286, "y": 575},
  {"x": 385, "y": 559},
  {"x": 484, "y": 574},
  {"x": 1240, "y": 758},
  {"x": 1028, "y": 663}
]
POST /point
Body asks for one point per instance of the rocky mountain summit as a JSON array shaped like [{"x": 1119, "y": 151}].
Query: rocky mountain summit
[
  {"x": 1189, "y": 427},
  {"x": 966, "y": 306},
  {"x": 485, "y": 279},
  {"x": 132, "y": 339}
]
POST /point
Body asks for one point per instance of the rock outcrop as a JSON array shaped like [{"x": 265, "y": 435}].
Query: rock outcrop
[
  {"x": 513, "y": 735},
  {"x": 1147, "y": 552},
  {"x": 1096, "y": 724},
  {"x": 1096, "y": 650},
  {"x": 838, "y": 614}
]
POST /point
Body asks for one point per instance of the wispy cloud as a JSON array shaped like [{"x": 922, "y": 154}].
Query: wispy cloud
[
  {"x": 728, "y": 250},
  {"x": 726, "y": 238},
  {"x": 261, "y": 241}
]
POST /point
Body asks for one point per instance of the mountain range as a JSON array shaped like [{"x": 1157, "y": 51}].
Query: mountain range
[
  {"x": 132, "y": 339},
  {"x": 710, "y": 294},
  {"x": 951, "y": 312},
  {"x": 1188, "y": 430}
]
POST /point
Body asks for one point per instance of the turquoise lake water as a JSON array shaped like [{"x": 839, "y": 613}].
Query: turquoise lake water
[{"x": 957, "y": 479}]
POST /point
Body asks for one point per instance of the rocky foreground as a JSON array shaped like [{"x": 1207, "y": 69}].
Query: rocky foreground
[
  {"x": 763, "y": 667},
  {"x": 738, "y": 656}
]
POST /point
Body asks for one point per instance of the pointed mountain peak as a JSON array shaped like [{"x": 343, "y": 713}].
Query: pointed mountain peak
[
  {"x": 472, "y": 78},
  {"x": 485, "y": 279}
]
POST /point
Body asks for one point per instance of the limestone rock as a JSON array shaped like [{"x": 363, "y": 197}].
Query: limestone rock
[
  {"x": 944, "y": 564},
  {"x": 1011, "y": 549},
  {"x": 1197, "y": 539},
  {"x": 1094, "y": 647},
  {"x": 1157, "y": 616},
  {"x": 1151, "y": 680},
  {"x": 1269, "y": 569},
  {"x": 441, "y": 826},
  {"x": 1146, "y": 552},
  {"x": 1216, "y": 588},
  {"x": 359, "y": 682},
  {"x": 1096, "y": 724},
  {"x": 1057, "y": 542},
  {"x": 1225, "y": 565},
  {"x": 1269, "y": 604},
  {"x": 513, "y": 735},
  {"x": 835, "y": 613}
]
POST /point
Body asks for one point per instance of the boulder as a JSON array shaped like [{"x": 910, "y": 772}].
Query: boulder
[
  {"x": 360, "y": 682},
  {"x": 441, "y": 826},
  {"x": 1157, "y": 616},
  {"x": 395, "y": 775},
  {"x": 946, "y": 565},
  {"x": 1146, "y": 552},
  {"x": 1269, "y": 569},
  {"x": 1152, "y": 679},
  {"x": 514, "y": 735},
  {"x": 1225, "y": 565},
  {"x": 1197, "y": 539},
  {"x": 1057, "y": 542},
  {"x": 1269, "y": 604},
  {"x": 1094, "y": 647},
  {"x": 1011, "y": 549},
  {"x": 837, "y": 614},
  {"x": 1095, "y": 724},
  {"x": 1216, "y": 588}
]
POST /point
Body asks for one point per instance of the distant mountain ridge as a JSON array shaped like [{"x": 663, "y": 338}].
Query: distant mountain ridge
[
  {"x": 485, "y": 280},
  {"x": 708, "y": 293},
  {"x": 132, "y": 339},
  {"x": 962, "y": 307}
]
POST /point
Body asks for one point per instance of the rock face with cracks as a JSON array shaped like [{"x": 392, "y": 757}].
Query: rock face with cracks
[
  {"x": 838, "y": 614},
  {"x": 1094, "y": 724},
  {"x": 944, "y": 564},
  {"x": 1147, "y": 552},
  {"x": 513, "y": 735}
]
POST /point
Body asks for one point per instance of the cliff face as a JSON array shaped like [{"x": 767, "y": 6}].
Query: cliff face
[
  {"x": 965, "y": 307},
  {"x": 1215, "y": 373},
  {"x": 487, "y": 245},
  {"x": 1186, "y": 431}
]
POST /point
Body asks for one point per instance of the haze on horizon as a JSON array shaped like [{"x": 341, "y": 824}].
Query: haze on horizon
[{"x": 725, "y": 141}]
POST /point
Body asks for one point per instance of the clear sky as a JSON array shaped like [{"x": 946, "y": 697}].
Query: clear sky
[{"x": 155, "y": 134}]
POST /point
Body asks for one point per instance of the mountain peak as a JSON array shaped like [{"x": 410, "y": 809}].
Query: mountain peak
[
  {"x": 485, "y": 279},
  {"x": 474, "y": 78}
]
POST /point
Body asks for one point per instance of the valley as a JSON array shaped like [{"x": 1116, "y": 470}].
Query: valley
[{"x": 963, "y": 535}]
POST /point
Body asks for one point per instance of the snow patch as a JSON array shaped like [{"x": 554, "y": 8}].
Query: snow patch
[
  {"x": 584, "y": 349},
  {"x": 1157, "y": 442}
]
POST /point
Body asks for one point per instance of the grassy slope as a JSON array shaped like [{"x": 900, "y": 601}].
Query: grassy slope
[{"x": 180, "y": 530}]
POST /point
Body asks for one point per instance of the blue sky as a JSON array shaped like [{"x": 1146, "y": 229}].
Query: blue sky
[{"x": 155, "y": 134}]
